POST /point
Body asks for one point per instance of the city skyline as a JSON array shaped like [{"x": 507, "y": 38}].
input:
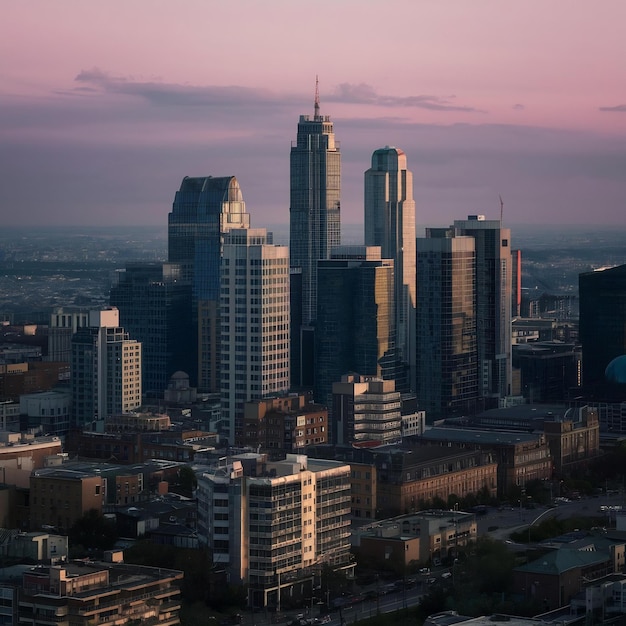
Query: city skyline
[{"x": 104, "y": 109}]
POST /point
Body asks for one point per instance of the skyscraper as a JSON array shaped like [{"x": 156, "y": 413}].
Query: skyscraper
[
  {"x": 603, "y": 324},
  {"x": 390, "y": 224},
  {"x": 204, "y": 210},
  {"x": 106, "y": 369},
  {"x": 154, "y": 307},
  {"x": 355, "y": 327},
  {"x": 314, "y": 208},
  {"x": 447, "y": 357},
  {"x": 254, "y": 313},
  {"x": 493, "y": 304}
]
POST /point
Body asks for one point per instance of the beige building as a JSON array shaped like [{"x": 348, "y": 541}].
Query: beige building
[
  {"x": 415, "y": 539},
  {"x": 59, "y": 497},
  {"x": 82, "y": 594},
  {"x": 274, "y": 531}
]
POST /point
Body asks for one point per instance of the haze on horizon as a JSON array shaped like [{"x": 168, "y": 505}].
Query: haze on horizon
[{"x": 104, "y": 108}]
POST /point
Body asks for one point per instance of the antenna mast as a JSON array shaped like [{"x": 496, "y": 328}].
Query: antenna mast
[
  {"x": 501, "y": 210},
  {"x": 317, "y": 98}
]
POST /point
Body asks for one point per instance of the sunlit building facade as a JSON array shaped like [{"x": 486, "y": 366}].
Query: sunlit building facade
[
  {"x": 254, "y": 314},
  {"x": 447, "y": 357},
  {"x": 390, "y": 224},
  {"x": 204, "y": 209}
]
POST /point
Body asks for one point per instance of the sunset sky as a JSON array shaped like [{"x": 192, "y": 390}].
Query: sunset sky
[{"x": 106, "y": 106}]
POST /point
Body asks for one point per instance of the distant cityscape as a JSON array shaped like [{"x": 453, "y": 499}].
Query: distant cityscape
[{"x": 307, "y": 405}]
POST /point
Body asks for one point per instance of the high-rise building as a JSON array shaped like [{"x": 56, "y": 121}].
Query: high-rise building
[
  {"x": 314, "y": 217},
  {"x": 154, "y": 307},
  {"x": 64, "y": 322},
  {"x": 366, "y": 408},
  {"x": 355, "y": 327},
  {"x": 603, "y": 325},
  {"x": 447, "y": 357},
  {"x": 254, "y": 313},
  {"x": 275, "y": 530},
  {"x": 493, "y": 304},
  {"x": 390, "y": 224},
  {"x": 204, "y": 210},
  {"x": 106, "y": 369}
]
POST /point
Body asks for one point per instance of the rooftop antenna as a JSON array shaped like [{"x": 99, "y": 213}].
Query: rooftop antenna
[
  {"x": 317, "y": 98},
  {"x": 501, "y": 209}
]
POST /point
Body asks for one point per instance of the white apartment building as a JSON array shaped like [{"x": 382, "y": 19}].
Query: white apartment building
[
  {"x": 254, "y": 318},
  {"x": 106, "y": 369},
  {"x": 274, "y": 531}
]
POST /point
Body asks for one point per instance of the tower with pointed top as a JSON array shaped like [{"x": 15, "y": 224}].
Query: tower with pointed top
[{"x": 314, "y": 227}]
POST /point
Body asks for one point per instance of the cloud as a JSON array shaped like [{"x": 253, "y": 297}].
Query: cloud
[
  {"x": 620, "y": 108},
  {"x": 365, "y": 94},
  {"x": 519, "y": 107},
  {"x": 172, "y": 94}
]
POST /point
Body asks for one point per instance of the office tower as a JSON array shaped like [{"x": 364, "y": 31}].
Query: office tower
[
  {"x": 154, "y": 308},
  {"x": 314, "y": 217},
  {"x": 254, "y": 313},
  {"x": 493, "y": 304},
  {"x": 64, "y": 322},
  {"x": 355, "y": 327},
  {"x": 274, "y": 526},
  {"x": 106, "y": 369},
  {"x": 516, "y": 287},
  {"x": 602, "y": 328},
  {"x": 447, "y": 357},
  {"x": 204, "y": 210},
  {"x": 390, "y": 224},
  {"x": 366, "y": 408}
]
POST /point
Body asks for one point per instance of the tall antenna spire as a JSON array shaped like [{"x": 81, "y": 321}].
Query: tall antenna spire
[
  {"x": 501, "y": 210},
  {"x": 317, "y": 98}
]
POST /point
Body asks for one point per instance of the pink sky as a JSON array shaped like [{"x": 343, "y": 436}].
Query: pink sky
[{"x": 104, "y": 107}]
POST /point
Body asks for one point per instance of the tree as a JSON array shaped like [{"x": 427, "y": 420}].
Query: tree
[{"x": 93, "y": 531}]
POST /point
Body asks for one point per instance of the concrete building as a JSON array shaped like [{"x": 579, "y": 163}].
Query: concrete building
[
  {"x": 284, "y": 424},
  {"x": 49, "y": 410},
  {"x": 416, "y": 538},
  {"x": 204, "y": 209},
  {"x": 80, "y": 594},
  {"x": 520, "y": 457},
  {"x": 274, "y": 531},
  {"x": 355, "y": 327},
  {"x": 22, "y": 453},
  {"x": 447, "y": 380},
  {"x": 106, "y": 369},
  {"x": 64, "y": 322},
  {"x": 366, "y": 408},
  {"x": 390, "y": 224},
  {"x": 254, "y": 331},
  {"x": 410, "y": 480},
  {"x": 59, "y": 497},
  {"x": 314, "y": 222}
]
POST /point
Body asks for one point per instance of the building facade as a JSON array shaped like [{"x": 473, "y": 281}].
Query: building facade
[
  {"x": 366, "y": 409},
  {"x": 446, "y": 344},
  {"x": 355, "y": 328},
  {"x": 106, "y": 369},
  {"x": 154, "y": 306},
  {"x": 390, "y": 224},
  {"x": 493, "y": 303},
  {"x": 204, "y": 209},
  {"x": 284, "y": 424},
  {"x": 602, "y": 323},
  {"x": 274, "y": 531},
  {"x": 254, "y": 331},
  {"x": 314, "y": 228}
]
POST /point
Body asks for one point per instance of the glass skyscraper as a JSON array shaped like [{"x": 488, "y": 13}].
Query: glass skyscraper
[
  {"x": 447, "y": 354},
  {"x": 204, "y": 209},
  {"x": 314, "y": 209},
  {"x": 390, "y": 224}
]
